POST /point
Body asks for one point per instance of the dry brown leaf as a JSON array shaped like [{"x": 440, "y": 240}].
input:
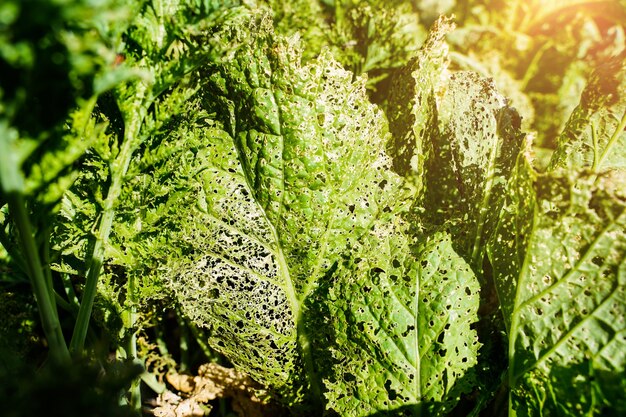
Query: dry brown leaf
[
  {"x": 172, "y": 405},
  {"x": 212, "y": 382},
  {"x": 181, "y": 382}
]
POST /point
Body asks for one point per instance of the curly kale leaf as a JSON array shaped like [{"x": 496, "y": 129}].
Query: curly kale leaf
[{"x": 106, "y": 223}]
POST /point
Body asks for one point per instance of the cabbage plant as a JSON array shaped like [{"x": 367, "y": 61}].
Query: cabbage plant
[{"x": 406, "y": 258}]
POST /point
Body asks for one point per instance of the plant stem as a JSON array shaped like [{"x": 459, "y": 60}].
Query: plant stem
[
  {"x": 118, "y": 170},
  {"x": 84, "y": 313},
  {"x": 45, "y": 254},
  {"x": 131, "y": 348},
  {"x": 12, "y": 251},
  {"x": 43, "y": 292},
  {"x": 184, "y": 345},
  {"x": 200, "y": 338},
  {"x": 73, "y": 300}
]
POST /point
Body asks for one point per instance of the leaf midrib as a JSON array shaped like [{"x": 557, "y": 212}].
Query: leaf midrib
[{"x": 521, "y": 282}]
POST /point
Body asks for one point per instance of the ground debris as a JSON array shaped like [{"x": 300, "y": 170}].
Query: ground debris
[{"x": 192, "y": 394}]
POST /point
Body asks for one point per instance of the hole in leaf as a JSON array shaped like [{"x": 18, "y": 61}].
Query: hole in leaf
[
  {"x": 598, "y": 260},
  {"x": 390, "y": 391},
  {"x": 348, "y": 377}
]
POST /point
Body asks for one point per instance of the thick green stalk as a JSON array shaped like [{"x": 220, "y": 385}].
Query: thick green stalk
[
  {"x": 118, "y": 170},
  {"x": 44, "y": 294},
  {"x": 131, "y": 348}
]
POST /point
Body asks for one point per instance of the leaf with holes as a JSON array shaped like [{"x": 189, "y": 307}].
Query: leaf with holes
[
  {"x": 402, "y": 320},
  {"x": 412, "y": 109},
  {"x": 456, "y": 139},
  {"x": 470, "y": 158},
  {"x": 595, "y": 134},
  {"x": 559, "y": 266},
  {"x": 280, "y": 201}
]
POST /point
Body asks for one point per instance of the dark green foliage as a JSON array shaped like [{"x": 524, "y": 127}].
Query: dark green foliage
[{"x": 84, "y": 389}]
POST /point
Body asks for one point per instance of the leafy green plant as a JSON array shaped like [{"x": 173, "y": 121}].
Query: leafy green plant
[
  {"x": 356, "y": 259},
  {"x": 50, "y": 51},
  {"x": 104, "y": 72},
  {"x": 359, "y": 291}
]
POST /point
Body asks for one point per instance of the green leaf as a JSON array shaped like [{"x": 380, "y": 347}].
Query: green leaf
[
  {"x": 52, "y": 172},
  {"x": 305, "y": 19},
  {"x": 595, "y": 134},
  {"x": 297, "y": 175},
  {"x": 373, "y": 37},
  {"x": 11, "y": 151},
  {"x": 558, "y": 258},
  {"x": 456, "y": 139},
  {"x": 402, "y": 321},
  {"x": 470, "y": 158},
  {"x": 470, "y": 161},
  {"x": 412, "y": 110}
]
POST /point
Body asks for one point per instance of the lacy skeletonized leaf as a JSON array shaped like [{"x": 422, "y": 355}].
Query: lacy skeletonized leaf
[
  {"x": 402, "y": 322},
  {"x": 298, "y": 174},
  {"x": 595, "y": 134},
  {"x": 558, "y": 258},
  {"x": 300, "y": 133},
  {"x": 231, "y": 281}
]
